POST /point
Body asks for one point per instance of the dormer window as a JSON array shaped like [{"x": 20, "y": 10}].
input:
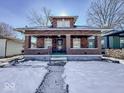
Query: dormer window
[{"x": 63, "y": 23}]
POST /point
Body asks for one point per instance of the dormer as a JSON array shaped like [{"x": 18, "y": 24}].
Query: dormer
[{"x": 63, "y": 21}]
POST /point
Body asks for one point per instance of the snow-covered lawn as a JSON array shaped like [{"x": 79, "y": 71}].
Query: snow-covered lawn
[
  {"x": 24, "y": 78},
  {"x": 94, "y": 77}
]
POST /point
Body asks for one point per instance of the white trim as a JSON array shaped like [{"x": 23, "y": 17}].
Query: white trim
[{"x": 23, "y": 29}]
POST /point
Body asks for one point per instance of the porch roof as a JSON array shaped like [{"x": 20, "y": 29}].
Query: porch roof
[{"x": 49, "y": 28}]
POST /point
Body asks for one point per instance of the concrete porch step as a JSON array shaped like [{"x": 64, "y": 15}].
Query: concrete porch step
[
  {"x": 58, "y": 58},
  {"x": 64, "y": 57}
]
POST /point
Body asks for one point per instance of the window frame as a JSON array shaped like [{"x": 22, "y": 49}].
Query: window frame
[
  {"x": 76, "y": 43},
  {"x": 47, "y": 42}
]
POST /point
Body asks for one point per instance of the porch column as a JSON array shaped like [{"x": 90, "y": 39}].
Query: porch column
[
  {"x": 68, "y": 43},
  {"x": 98, "y": 43},
  {"x": 27, "y": 42}
]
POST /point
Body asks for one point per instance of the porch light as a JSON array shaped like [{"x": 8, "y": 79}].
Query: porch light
[{"x": 59, "y": 35}]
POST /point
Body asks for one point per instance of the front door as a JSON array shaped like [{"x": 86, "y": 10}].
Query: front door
[{"x": 59, "y": 45}]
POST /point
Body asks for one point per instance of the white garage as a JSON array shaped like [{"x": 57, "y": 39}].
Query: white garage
[{"x": 10, "y": 47}]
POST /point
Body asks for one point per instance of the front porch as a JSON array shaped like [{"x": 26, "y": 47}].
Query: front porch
[{"x": 63, "y": 44}]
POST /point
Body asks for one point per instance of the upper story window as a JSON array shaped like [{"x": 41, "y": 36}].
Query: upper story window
[{"x": 63, "y": 23}]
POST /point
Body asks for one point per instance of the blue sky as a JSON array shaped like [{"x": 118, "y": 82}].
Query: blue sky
[{"x": 15, "y": 12}]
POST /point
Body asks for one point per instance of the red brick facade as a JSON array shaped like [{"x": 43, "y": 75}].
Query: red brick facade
[
  {"x": 64, "y": 34},
  {"x": 55, "y": 19}
]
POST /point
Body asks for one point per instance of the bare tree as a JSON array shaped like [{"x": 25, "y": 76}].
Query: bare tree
[
  {"x": 40, "y": 19},
  {"x": 106, "y": 14},
  {"x": 6, "y": 30}
]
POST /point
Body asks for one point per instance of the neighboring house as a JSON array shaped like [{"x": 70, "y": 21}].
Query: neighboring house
[
  {"x": 10, "y": 46},
  {"x": 63, "y": 37},
  {"x": 114, "y": 43}
]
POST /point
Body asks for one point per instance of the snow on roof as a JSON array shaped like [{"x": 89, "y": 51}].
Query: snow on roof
[{"x": 58, "y": 28}]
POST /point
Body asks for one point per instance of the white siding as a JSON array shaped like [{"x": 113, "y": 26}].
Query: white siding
[
  {"x": 2, "y": 47},
  {"x": 14, "y": 47}
]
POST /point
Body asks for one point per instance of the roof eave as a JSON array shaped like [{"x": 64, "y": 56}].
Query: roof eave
[{"x": 23, "y": 30}]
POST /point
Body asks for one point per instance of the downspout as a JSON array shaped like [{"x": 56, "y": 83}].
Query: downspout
[{"x": 6, "y": 48}]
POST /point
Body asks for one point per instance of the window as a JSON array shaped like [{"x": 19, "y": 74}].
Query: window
[
  {"x": 122, "y": 42},
  {"x": 63, "y": 23},
  {"x": 59, "y": 24},
  {"x": 91, "y": 41},
  {"x": 76, "y": 43},
  {"x": 67, "y": 24},
  {"x": 48, "y": 42},
  {"x": 33, "y": 42}
]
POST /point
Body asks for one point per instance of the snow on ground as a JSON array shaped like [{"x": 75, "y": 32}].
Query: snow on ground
[
  {"x": 94, "y": 77},
  {"x": 10, "y": 58},
  {"x": 23, "y": 79},
  {"x": 33, "y": 63},
  {"x": 114, "y": 59}
]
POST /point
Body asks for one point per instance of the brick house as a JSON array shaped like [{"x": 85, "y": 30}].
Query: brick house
[{"x": 62, "y": 37}]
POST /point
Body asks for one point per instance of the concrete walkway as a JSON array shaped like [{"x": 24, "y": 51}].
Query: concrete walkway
[{"x": 53, "y": 82}]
